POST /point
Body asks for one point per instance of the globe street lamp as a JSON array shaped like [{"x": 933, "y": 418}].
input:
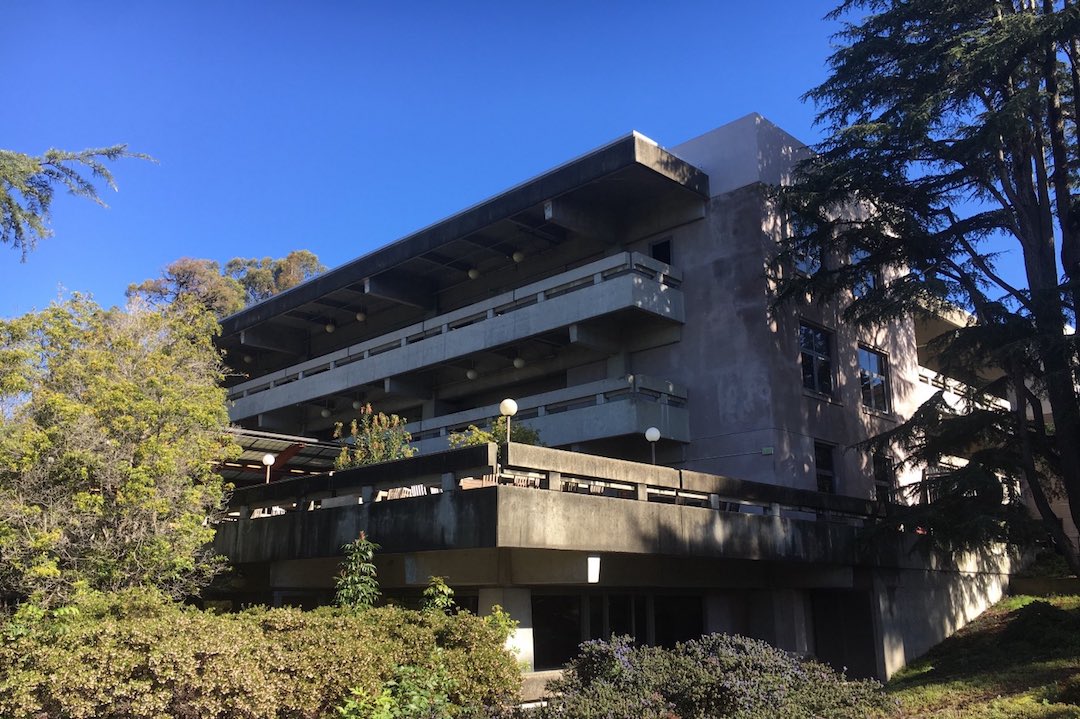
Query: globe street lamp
[
  {"x": 268, "y": 462},
  {"x": 508, "y": 408},
  {"x": 652, "y": 435}
]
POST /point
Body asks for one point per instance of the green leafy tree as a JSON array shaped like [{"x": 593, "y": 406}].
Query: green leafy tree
[
  {"x": 951, "y": 123},
  {"x": 110, "y": 424},
  {"x": 373, "y": 437},
  {"x": 267, "y": 277},
  {"x": 227, "y": 290},
  {"x": 496, "y": 432},
  {"x": 358, "y": 583},
  {"x": 438, "y": 596},
  {"x": 189, "y": 279},
  {"x": 28, "y": 185}
]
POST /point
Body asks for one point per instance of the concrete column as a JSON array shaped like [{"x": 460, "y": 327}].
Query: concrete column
[
  {"x": 366, "y": 495},
  {"x": 725, "y": 613},
  {"x": 518, "y": 603},
  {"x": 449, "y": 482},
  {"x": 792, "y": 621}
]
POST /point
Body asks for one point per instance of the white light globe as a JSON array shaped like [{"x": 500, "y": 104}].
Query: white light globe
[
  {"x": 268, "y": 459},
  {"x": 652, "y": 434},
  {"x": 508, "y": 408}
]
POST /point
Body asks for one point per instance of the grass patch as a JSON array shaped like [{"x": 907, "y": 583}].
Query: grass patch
[{"x": 1019, "y": 660}]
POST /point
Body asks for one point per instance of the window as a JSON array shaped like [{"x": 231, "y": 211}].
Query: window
[
  {"x": 825, "y": 467},
  {"x": 816, "y": 358},
  {"x": 874, "y": 379},
  {"x": 884, "y": 477},
  {"x": 661, "y": 251}
]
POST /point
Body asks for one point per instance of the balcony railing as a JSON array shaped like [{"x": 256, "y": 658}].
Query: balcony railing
[
  {"x": 534, "y": 409},
  {"x": 428, "y": 339}
]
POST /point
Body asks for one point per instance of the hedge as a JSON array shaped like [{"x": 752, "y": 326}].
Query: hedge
[
  {"x": 137, "y": 656},
  {"x": 715, "y": 676}
]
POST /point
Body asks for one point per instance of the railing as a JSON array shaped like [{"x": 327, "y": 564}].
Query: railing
[
  {"x": 591, "y": 394},
  {"x": 963, "y": 394},
  {"x": 574, "y": 280},
  {"x": 543, "y": 469}
]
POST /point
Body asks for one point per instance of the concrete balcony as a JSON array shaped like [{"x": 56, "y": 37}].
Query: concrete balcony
[
  {"x": 626, "y": 282},
  {"x": 595, "y": 410},
  {"x": 960, "y": 396}
]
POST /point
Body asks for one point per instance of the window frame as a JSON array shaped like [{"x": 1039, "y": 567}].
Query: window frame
[
  {"x": 883, "y": 463},
  {"x": 819, "y": 360},
  {"x": 868, "y": 375},
  {"x": 830, "y": 474}
]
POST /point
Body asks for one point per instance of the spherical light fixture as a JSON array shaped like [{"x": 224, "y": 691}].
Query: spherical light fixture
[
  {"x": 471, "y": 374},
  {"x": 652, "y": 436},
  {"x": 329, "y": 327},
  {"x": 325, "y": 412},
  {"x": 508, "y": 408},
  {"x": 519, "y": 363},
  {"x": 268, "y": 462},
  {"x": 474, "y": 273},
  {"x": 518, "y": 256},
  {"x": 357, "y": 404},
  {"x": 361, "y": 316},
  {"x": 248, "y": 359}
]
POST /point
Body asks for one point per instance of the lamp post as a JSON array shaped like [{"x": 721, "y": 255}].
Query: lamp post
[
  {"x": 508, "y": 408},
  {"x": 268, "y": 462},
  {"x": 652, "y": 435}
]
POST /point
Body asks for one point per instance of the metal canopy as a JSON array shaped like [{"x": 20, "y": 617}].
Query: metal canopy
[{"x": 295, "y": 457}]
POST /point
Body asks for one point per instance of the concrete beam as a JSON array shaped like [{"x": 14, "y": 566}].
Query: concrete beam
[
  {"x": 597, "y": 339},
  {"x": 402, "y": 289},
  {"x": 407, "y": 388},
  {"x": 275, "y": 339}
]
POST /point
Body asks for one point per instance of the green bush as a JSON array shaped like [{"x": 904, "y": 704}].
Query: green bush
[
  {"x": 715, "y": 676},
  {"x": 136, "y": 655}
]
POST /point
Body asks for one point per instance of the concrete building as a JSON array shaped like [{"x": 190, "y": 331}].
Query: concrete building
[{"x": 623, "y": 290}]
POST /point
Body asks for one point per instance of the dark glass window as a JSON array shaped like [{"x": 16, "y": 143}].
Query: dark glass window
[
  {"x": 874, "y": 378},
  {"x": 661, "y": 251},
  {"x": 884, "y": 477},
  {"x": 557, "y": 620},
  {"x": 677, "y": 619},
  {"x": 825, "y": 467},
  {"x": 815, "y": 346}
]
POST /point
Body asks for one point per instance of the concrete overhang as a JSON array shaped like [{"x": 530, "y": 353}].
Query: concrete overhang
[{"x": 627, "y": 172}]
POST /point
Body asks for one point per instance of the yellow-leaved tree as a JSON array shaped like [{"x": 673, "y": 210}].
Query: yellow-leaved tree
[{"x": 111, "y": 424}]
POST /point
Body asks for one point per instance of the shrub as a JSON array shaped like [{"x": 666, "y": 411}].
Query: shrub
[
  {"x": 715, "y": 676},
  {"x": 135, "y": 655},
  {"x": 357, "y": 585}
]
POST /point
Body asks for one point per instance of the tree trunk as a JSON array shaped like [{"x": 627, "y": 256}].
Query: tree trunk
[{"x": 1042, "y": 504}]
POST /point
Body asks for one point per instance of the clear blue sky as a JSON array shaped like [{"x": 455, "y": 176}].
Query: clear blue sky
[{"x": 338, "y": 126}]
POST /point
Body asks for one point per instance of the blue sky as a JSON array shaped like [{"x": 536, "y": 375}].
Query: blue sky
[{"x": 340, "y": 126}]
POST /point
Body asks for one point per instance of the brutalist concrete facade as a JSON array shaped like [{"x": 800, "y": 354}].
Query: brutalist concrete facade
[{"x": 624, "y": 289}]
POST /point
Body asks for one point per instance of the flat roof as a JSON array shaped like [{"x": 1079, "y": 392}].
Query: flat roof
[{"x": 632, "y": 151}]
